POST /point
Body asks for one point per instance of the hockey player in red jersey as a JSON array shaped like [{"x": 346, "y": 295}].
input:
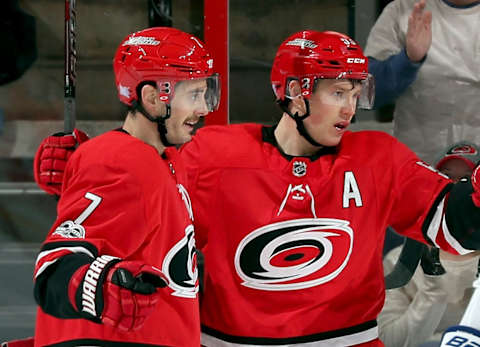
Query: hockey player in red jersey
[
  {"x": 118, "y": 267},
  {"x": 291, "y": 218}
]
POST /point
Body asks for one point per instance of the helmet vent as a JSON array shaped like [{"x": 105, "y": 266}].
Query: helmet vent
[
  {"x": 333, "y": 62},
  {"x": 182, "y": 68}
]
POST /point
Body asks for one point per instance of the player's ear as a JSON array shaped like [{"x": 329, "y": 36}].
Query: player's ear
[
  {"x": 294, "y": 91},
  {"x": 151, "y": 100},
  {"x": 149, "y": 95}
]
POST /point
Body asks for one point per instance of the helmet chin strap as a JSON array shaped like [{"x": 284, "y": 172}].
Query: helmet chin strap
[
  {"x": 299, "y": 121},
  {"x": 161, "y": 127}
]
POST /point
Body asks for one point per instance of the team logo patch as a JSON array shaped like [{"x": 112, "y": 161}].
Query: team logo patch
[
  {"x": 294, "y": 254},
  {"x": 70, "y": 230},
  {"x": 180, "y": 266},
  {"x": 299, "y": 168}
]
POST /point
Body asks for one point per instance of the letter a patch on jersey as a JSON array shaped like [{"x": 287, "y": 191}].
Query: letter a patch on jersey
[{"x": 351, "y": 191}]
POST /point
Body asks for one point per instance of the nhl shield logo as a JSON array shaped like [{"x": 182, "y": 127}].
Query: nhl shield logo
[{"x": 299, "y": 168}]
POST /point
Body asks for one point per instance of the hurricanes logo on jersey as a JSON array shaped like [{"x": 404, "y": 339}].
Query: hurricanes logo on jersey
[
  {"x": 294, "y": 254},
  {"x": 183, "y": 276},
  {"x": 180, "y": 263}
]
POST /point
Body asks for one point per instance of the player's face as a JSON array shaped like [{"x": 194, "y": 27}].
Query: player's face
[
  {"x": 455, "y": 169},
  {"x": 187, "y": 106},
  {"x": 332, "y": 107}
]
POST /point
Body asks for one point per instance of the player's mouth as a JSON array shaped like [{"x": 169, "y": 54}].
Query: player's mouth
[
  {"x": 190, "y": 124},
  {"x": 341, "y": 126}
]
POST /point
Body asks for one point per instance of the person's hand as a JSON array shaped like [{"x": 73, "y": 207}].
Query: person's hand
[
  {"x": 51, "y": 158},
  {"x": 117, "y": 293},
  {"x": 419, "y": 32}
]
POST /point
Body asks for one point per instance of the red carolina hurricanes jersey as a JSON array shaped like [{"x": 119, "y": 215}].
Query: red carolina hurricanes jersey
[
  {"x": 121, "y": 198},
  {"x": 293, "y": 245}
]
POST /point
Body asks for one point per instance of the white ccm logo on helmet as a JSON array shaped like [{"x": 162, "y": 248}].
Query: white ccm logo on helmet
[
  {"x": 356, "y": 60},
  {"x": 280, "y": 256}
]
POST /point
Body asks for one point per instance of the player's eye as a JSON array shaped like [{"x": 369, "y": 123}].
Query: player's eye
[
  {"x": 338, "y": 93},
  {"x": 196, "y": 95}
]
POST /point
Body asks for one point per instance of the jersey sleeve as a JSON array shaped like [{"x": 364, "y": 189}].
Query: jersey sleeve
[
  {"x": 430, "y": 208},
  {"x": 417, "y": 190},
  {"x": 392, "y": 76},
  {"x": 101, "y": 212}
]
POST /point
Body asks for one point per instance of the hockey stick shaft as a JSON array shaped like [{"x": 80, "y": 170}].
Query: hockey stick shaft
[
  {"x": 70, "y": 63},
  {"x": 413, "y": 253},
  {"x": 406, "y": 264}
]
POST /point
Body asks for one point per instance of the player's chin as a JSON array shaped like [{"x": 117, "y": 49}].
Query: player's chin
[
  {"x": 179, "y": 138},
  {"x": 183, "y": 141},
  {"x": 332, "y": 141},
  {"x": 186, "y": 137}
]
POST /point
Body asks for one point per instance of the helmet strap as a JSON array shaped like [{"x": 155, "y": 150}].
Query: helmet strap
[
  {"x": 161, "y": 126},
  {"x": 299, "y": 121}
]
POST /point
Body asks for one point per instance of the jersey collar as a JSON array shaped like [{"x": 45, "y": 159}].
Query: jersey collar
[{"x": 268, "y": 136}]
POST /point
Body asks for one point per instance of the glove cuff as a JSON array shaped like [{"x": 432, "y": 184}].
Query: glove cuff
[{"x": 89, "y": 295}]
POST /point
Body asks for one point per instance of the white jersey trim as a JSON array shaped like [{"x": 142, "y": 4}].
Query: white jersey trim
[
  {"x": 341, "y": 341},
  {"x": 434, "y": 226},
  {"x": 439, "y": 220},
  {"x": 48, "y": 263},
  {"x": 452, "y": 241}
]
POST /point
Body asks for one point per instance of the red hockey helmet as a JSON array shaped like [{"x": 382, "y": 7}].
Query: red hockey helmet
[
  {"x": 164, "y": 56},
  {"x": 311, "y": 55}
]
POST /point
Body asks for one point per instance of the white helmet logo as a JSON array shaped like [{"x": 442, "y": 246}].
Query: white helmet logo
[
  {"x": 302, "y": 43},
  {"x": 141, "y": 40},
  {"x": 356, "y": 60}
]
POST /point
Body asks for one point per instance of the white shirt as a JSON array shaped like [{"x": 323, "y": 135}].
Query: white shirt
[
  {"x": 442, "y": 105},
  {"x": 427, "y": 305}
]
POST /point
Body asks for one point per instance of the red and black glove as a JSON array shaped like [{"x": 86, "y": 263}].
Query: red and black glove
[
  {"x": 115, "y": 292},
  {"x": 51, "y": 158},
  {"x": 476, "y": 186}
]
